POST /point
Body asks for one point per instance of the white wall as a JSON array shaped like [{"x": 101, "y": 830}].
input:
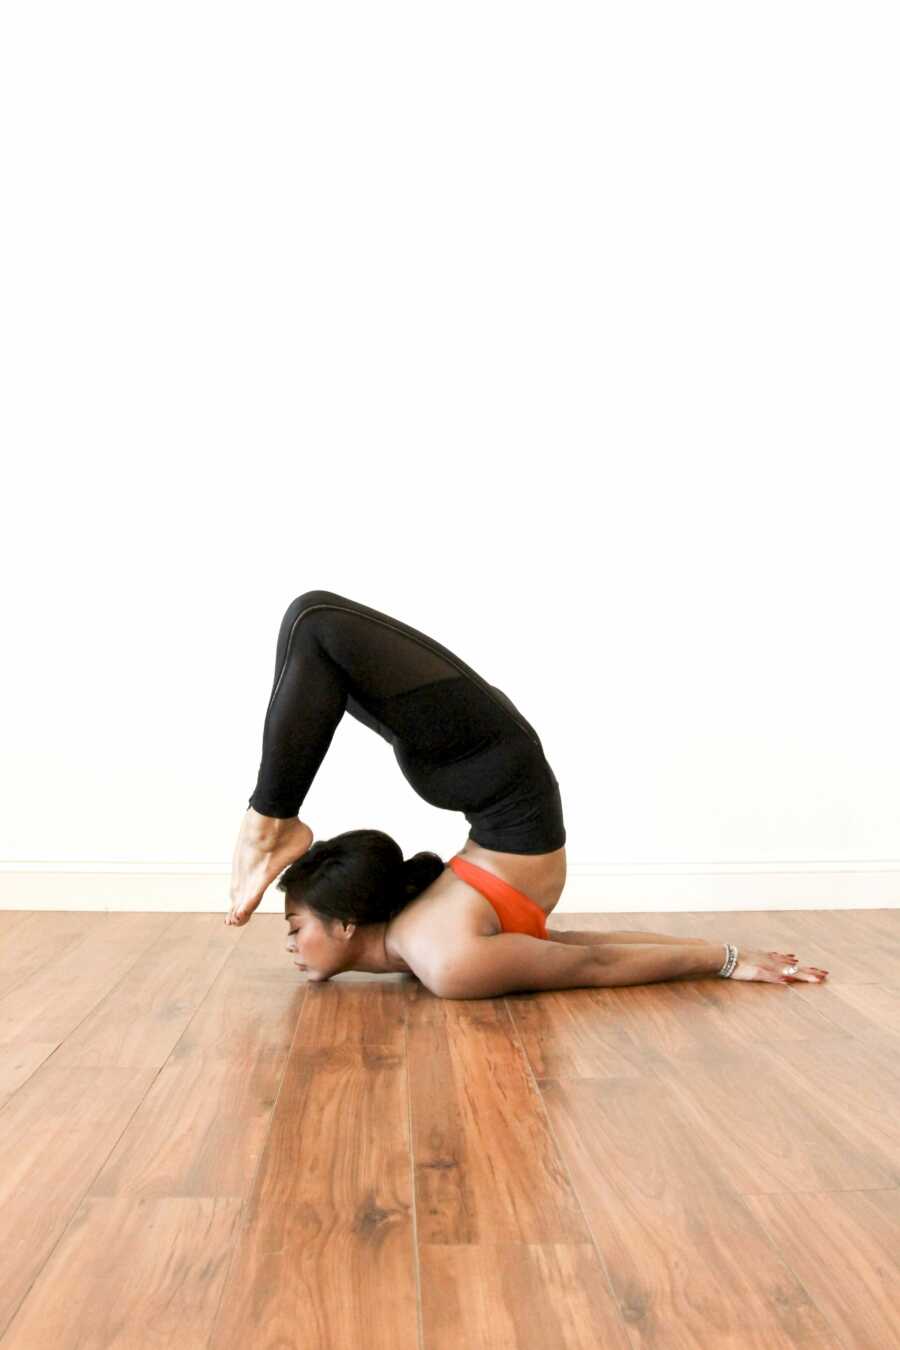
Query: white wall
[{"x": 567, "y": 333}]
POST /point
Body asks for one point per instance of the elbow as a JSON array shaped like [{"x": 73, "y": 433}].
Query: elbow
[
  {"x": 469, "y": 984},
  {"x": 448, "y": 986},
  {"x": 449, "y": 979}
]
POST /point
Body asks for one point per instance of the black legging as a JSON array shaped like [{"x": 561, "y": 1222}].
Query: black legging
[{"x": 459, "y": 741}]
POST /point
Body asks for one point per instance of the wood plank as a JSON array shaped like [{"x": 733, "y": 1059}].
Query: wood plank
[
  {"x": 325, "y": 1254},
  {"x": 768, "y": 1129},
  {"x": 594, "y": 1033},
  {"x": 689, "y": 1265},
  {"x": 874, "y": 925},
  {"x": 201, "y": 1131},
  {"x": 360, "y": 1012},
  {"x": 55, "y": 1134},
  {"x": 855, "y": 1080},
  {"x": 42, "y": 1010},
  {"x": 203, "y": 1126},
  {"x": 204, "y": 1123},
  {"x": 855, "y": 1008},
  {"x": 31, "y": 941},
  {"x": 132, "y": 1274},
  {"x": 849, "y": 954},
  {"x": 486, "y": 1166},
  {"x": 87, "y": 1129},
  {"x": 845, "y": 1248},
  {"x": 518, "y": 1296},
  {"x": 140, "y": 1021}
]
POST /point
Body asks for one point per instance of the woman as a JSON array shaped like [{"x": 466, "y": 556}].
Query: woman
[{"x": 477, "y": 926}]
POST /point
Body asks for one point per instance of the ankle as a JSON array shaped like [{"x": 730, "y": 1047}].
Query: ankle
[{"x": 264, "y": 829}]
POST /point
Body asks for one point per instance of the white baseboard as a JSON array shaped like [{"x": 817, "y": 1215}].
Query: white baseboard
[{"x": 203, "y": 887}]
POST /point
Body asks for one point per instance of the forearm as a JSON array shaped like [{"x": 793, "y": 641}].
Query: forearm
[
  {"x": 633, "y": 963},
  {"x": 503, "y": 963},
  {"x": 588, "y": 938}
]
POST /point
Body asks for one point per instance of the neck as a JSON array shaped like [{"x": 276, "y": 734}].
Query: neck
[{"x": 371, "y": 951}]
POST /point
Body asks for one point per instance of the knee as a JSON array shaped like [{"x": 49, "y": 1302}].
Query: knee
[
  {"x": 310, "y": 599},
  {"x": 309, "y": 607}
]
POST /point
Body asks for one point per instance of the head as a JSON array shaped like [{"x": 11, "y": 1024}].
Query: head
[{"x": 339, "y": 886}]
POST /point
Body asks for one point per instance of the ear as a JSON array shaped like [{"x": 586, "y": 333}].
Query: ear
[{"x": 348, "y": 929}]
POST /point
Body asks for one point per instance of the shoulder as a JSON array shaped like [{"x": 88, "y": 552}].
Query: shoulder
[{"x": 447, "y": 916}]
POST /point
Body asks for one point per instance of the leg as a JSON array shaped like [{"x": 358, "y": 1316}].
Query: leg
[
  {"x": 332, "y": 654},
  {"x": 308, "y": 699},
  {"x": 336, "y": 654}
]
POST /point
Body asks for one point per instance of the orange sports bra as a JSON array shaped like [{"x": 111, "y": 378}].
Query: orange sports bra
[{"x": 517, "y": 912}]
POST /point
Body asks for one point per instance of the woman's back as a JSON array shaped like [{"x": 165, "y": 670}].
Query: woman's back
[{"x": 451, "y": 908}]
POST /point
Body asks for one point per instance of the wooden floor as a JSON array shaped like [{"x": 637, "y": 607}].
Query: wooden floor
[{"x": 197, "y": 1149}]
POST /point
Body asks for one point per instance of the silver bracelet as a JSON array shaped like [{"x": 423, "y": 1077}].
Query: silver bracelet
[{"x": 731, "y": 957}]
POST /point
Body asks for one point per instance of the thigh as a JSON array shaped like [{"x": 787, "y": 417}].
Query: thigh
[{"x": 386, "y": 660}]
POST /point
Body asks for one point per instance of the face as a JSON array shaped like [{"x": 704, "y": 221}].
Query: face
[{"x": 316, "y": 944}]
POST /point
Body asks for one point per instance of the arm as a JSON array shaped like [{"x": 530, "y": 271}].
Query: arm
[
  {"x": 590, "y": 938},
  {"x": 485, "y": 967}
]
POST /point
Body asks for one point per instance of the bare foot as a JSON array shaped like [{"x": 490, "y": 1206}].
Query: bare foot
[{"x": 265, "y": 847}]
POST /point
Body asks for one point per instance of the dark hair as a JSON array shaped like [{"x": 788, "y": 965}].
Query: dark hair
[{"x": 359, "y": 876}]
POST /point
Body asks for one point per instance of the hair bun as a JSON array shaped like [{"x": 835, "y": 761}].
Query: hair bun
[{"x": 418, "y": 872}]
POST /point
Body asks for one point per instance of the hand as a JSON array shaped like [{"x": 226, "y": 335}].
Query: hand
[{"x": 769, "y": 967}]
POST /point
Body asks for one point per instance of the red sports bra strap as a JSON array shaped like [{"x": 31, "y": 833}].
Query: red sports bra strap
[{"x": 517, "y": 912}]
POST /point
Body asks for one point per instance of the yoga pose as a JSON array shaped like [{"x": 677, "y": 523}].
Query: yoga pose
[{"x": 476, "y": 926}]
